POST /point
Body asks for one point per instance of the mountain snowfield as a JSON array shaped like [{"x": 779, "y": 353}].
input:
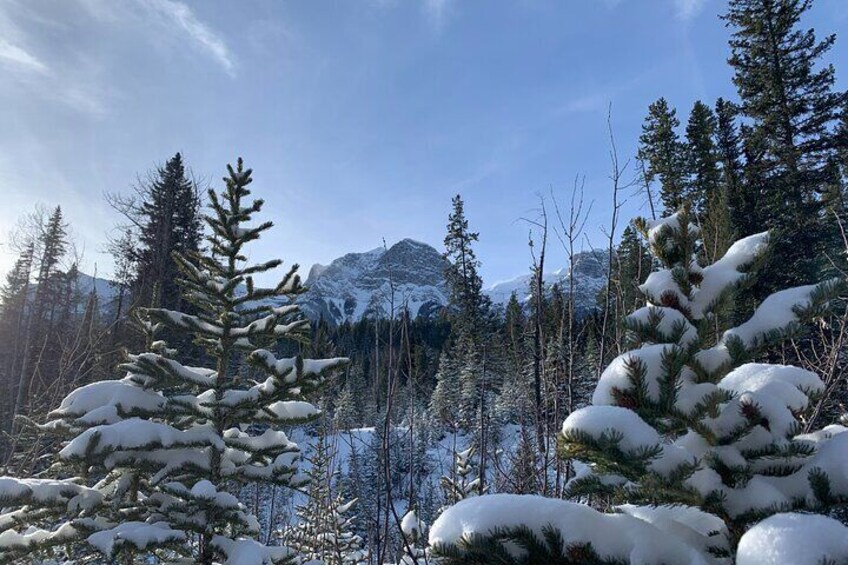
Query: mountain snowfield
[
  {"x": 357, "y": 285},
  {"x": 409, "y": 274},
  {"x": 590, "y": 276},
  {"x": 360, "y": 284}
]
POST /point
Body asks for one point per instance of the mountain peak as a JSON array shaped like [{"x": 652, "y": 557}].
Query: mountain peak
[
  {"x": 589, "y": 275},
  {"x": 357, "y": 285},
  {"x": 411, "y": 274},
  {"x": 413, "y": 244},
  {"x": 315, "y": 272}
]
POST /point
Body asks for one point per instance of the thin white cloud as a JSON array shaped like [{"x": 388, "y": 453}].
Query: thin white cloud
[
  {"x": 204, "y": 37},
  {"x": 437, "y": 11},
  {"x": 684, "y": 10},
  {"x": 688, "y": 9},
  {"x": 19, "y": 58},
  {"x": 589, "y": 103},
  {"x": 67, "y": 78}
]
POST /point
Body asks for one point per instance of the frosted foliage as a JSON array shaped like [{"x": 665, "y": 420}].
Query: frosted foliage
[
  {"x": 775, "y": 391},
  {"x": 136, "y": 433},
  {"x": 725, "y": 272},
  {"x": 785, "y": 382},
  {"x": 660, "y": 285},
  {"x": 656, "y": 228},
  {"x": 831, "y": 457},
  {"x": 776, "y": 311},
  {"x": 411, "y": 525},
  {"x": 139, "y": 535},
  {"x": 612, "y": 421},
  {"x": 613, "y": 536},
  {"x": 244, "y": 551},
  {"x": 695, "y": 527},
  {"x": 617, "y": 376},
  {"x": 721, "y": 450},
  {"x": 11, "y": 540},
  {"x": 101, "y": 402},
  {"x": 669, "y": 323},
  {"x": 671, "y": 458},
  {"x": 799, "y": 539},
  {"x": 47, "y": 492},
  {"x": 715, "y": 279}
]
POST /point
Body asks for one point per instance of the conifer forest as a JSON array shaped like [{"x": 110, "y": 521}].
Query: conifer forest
[{"x": 676, "y": 393}]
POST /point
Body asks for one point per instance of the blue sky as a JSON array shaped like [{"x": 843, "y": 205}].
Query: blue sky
[{"x": 360, "y": 118}]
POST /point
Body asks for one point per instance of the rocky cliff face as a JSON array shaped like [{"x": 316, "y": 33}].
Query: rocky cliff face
[
  {"x": 589, "y": 272},
  {"x": 362, "y": 284}
]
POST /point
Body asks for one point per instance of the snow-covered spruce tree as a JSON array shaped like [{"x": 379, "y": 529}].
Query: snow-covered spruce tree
[
  {"x": 445, "y": 401},
  {"x": 412, "y": 550},
  {"x": 464, "y": 483},
  {"x": 694, "y": 444},
  {"x": 324, "y": 531},
  {"x": 162, "y": 449}
]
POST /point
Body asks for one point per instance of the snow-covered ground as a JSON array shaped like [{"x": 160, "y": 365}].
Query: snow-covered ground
[{"x": 439, "y": 460}]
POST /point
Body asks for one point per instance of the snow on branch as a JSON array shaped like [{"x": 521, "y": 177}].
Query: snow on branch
[
  {"x": 799, "y": 539},
  {"x": 613, "y": 537}
]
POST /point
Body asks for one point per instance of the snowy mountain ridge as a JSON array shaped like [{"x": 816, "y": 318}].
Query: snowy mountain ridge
[
  {"x": 357, "y": 285},
  {"x": 590, "y": 276},
  {"x": 409, "y": 274}
]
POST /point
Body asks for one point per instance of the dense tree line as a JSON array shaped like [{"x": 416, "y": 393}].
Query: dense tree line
[
  {"x": 490, "y": 385},
  {"x": 57, "y": 331},
  {"x": 774, "y": 158}
]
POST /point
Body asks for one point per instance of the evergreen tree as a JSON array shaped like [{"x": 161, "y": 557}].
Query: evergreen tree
[
  {"x": 355, "y": 482},
  {"x": 464, "y": 482},
  {"x": 123, "y": 249},
  {"x": 471, "y": 387},
  {"x": 445, "y": 403},
  {"x": 634, "y": 266},
  {"x": 514, "y": 328},
  {"x": 834, "y": 196},
  {"x": 524, "y": 475},
  {"x": 163, "y": 450},
  {"x": 702, "y": 158},
  {"x": 325, "y": 528},
  {"x": 514, "y": 399},
  {"x": 693, "y": 393},
  {"x": 470, "y": 315},
  {"x": 348, "y": 413},
  {"x": 663, "y": 154},
  {"x": 53, "y": 244},
  {"x": 749, "y": 209},
  {"x": 708, "y": 191},
  {"x": 793, "y": 108},
  {"x": 469, "y": 306},
  {"x": 170, "y": 222},
  {"x": 835, "y": 204},
  {"x": 682, "y": 435},
  {"x": 842, "y": 140},
  {"x": 728, "y": 145},
  {"x": 514, "y": 402},
  {"x": 13, "y": 308}
]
